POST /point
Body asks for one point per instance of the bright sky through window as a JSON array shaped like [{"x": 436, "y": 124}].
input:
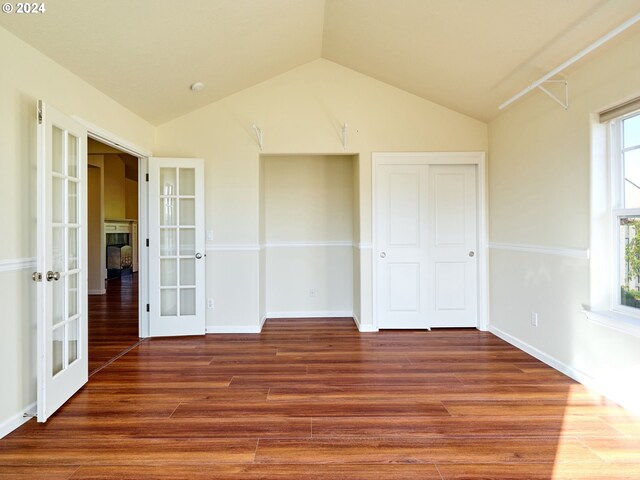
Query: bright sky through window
[{"x": 631, "y": 149}]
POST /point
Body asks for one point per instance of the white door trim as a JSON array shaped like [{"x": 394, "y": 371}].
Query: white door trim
[
  {"x": 115, "y": 141},
  {"x": 439, "y": 158}
]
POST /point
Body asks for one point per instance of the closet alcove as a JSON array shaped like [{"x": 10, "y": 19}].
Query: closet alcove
[{"x": 309, "y": 219}]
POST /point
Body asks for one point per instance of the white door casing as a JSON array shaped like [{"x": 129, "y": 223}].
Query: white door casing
[
  {"x": 402, "y": 246},
  {"x": 452, "y": 246},
  {"x": 62, "y": 282},
  {"x": 176, "y": 247},
  {"x": 455, "y": 204}
]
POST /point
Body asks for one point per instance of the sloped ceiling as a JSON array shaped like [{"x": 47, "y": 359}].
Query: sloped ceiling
[{"x": 468, "y": 55}]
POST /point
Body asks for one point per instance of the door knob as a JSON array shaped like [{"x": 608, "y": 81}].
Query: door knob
[
  {"x": 198, "y": 255},
  {"x": 383, "y": 254},
  {"x": 53, "y": 276},
  {"x": 472, "y": 253}
]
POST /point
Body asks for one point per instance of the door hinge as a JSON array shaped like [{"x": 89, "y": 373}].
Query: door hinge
[
  {"x": 148, "y": 307},
  {"x": 147, "y": 177},
  {"x": 147, "y": 242}
]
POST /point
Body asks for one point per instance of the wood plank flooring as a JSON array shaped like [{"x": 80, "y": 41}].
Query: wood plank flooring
[
  {"x": 113, "y": 321},
  {"x": 315, "y": 399}
]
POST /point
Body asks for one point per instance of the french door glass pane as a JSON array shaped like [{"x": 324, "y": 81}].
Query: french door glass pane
[
  {"x": 57, "y": 349},
  {"x": 167, "y": 211},
  {"x": 57, "y": 249},
  {"x": 187, "y": 272},
  {"x": 187, "y": 211},
  {"x": 187, "y": 241},
  {"x": 72, "y": 156},
  {"x": 73, "y": 202},
  {"x": 168, "y": 243},
  {"x": 187, "y": 181},
  {"x": 57, "y": 300},
  {"x": 72, "y": 292},
  {"x": 168, "y": 302},
  {"x": 187, "y": 301},
  {"x": 58, "y": 150},
  {"x": 57, "y": 203},
  {"x": 72, "y": 341},
  {"x": 73, "y": 248},
  {"x": 168, "y": 272},
  {"x": 168, "y": 181}
]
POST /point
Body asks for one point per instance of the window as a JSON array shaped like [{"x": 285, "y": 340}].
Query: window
[{"x": 625, "y": 202}]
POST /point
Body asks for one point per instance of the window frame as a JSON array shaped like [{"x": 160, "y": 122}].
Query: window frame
[{"x": 617, "y": 209}]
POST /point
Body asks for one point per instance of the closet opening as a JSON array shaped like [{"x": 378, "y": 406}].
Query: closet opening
[{"x": 309, "y": 218}]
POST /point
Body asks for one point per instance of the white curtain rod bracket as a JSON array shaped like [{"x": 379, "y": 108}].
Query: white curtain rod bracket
[
  {"x": 537, "y": 84},
  {"x": 258, "y": 135},
  {"x": 564, "y": 103}
]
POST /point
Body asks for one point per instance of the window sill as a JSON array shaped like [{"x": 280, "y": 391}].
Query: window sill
[{"x": 615, "y": 320}]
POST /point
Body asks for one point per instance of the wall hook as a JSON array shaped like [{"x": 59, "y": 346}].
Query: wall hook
[
  {"x": 258, "y": 135},
  {"x": 344, "y": 136}
]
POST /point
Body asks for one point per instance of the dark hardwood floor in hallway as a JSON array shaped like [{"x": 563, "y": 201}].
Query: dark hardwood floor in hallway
[
  {"x": 113, "y": 320},
  {"x": 315, "y": 399}
]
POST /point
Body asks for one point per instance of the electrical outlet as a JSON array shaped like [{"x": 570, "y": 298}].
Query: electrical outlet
[
  {"x": 210, "y": 303},
  {"x": 312, "y": 292},
  {"x": 534, "y": 319}
]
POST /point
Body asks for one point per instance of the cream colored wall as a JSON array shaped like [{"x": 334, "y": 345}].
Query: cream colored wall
[
  {"x": 300, "y": 112},
  {"x": 308, "y": 199},
  {"x": 539, "y": 190},
  {"x": 114, "y": 188},
  {"x": 130, "y": 199},
  {"x": 27, "y": 76}
]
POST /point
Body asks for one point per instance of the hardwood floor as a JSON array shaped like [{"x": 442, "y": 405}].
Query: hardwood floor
[
  {"x": 113, "y": 321},
  {"x": 315, "y": 399}
]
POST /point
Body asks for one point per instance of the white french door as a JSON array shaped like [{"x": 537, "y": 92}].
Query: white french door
[
  {"x": 452, "y": 269},
  {"x": 402, "y": 246},
  {"x": 61, "y": 259},
  {"x": 176, "y": 247}
]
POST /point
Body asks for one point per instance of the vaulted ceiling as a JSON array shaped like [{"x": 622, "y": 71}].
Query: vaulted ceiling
[{"x": 468, "y": 55}]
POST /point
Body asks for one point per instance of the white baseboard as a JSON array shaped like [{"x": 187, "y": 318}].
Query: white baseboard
[
  {"x": 264, "y": 319},
  {"x": 367, "y": 328},
  {"x": 356, "y": 320},
  {"x": 16, "y": 421},
  {"x": 629, "y": 403},
  {"x": 98, "y": 292},
  {"x": 312, "y": 314},
  {"x": 363, "y": 328},
  {"x": 233, "y": 328}
]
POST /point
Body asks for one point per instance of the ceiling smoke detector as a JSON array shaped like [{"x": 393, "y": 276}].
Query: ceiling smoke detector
[{"x": 196, "y": 87}]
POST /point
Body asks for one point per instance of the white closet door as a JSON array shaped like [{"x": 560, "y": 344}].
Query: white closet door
[
  {"x": 176, "y": 247},
  {"x": 401, "y": 241},
  {"x": 61, "y": 259},
  {"x": 453, "y": 239}
]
